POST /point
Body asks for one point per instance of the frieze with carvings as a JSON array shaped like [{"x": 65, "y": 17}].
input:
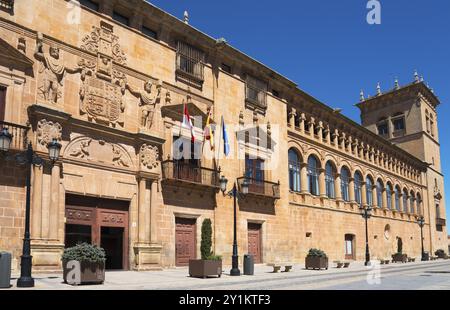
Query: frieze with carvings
[
  {"x": 149, "y": 155},
  {"x": 98, "y": 151},
  {"x": 47, "y": 131}
]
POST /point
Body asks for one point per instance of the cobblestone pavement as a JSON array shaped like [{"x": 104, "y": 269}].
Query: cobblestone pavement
[{"x": 433, "y": 275}]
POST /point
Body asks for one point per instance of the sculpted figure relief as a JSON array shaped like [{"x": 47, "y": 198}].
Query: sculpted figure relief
[
  {"x": 147, "y": 102},
  {"x": 53, "y": 69}
]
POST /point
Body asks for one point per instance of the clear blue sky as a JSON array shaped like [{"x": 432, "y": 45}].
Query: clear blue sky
[{"x": 330, "y": 51}]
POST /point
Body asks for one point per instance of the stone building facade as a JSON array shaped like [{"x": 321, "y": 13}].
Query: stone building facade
[{"x": 109, "y": 80}]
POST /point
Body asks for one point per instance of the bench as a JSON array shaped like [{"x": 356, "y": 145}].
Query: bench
[
  {"x": 411, "y": 259},
  {"x": 277, "y": 267},
  {"x": 384, "y": 261},
  {"x": 433, "y": 258},
  {"x": 340, "y": 264}
]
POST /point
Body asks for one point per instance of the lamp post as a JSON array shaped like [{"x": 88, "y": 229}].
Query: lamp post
[
  {"x": 421, "y": 222},
  {"x": 234, "y": 193},
  {"x": 27, "y": 158},
  {"x": 366, "y": 213}
]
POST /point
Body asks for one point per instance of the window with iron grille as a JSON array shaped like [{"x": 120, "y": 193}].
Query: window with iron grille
[
  {"x": 7, "y": 4},
  {"x": 255, "y": 91},
  {"x": 90, "y": 4},
  {"x": 190, "y": 60}
]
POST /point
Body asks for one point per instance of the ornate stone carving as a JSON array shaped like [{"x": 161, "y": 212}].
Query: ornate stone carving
[
  {"x": 82, "y": 150},
  {"x": 52, "y": 69},
  {"x": 149, "y": 156},
  {"x": 99, "y": 151},
  {"x": 103, "y": 86},
  {"x": 147, "y": 102},
  {"x": 47, "y": 131},
  {"x": 102, "y": 40}
]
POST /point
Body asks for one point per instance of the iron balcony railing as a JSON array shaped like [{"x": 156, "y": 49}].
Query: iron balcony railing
[
  {"x": 185, "y": 172},
  {"x": 7, "y": 4},
  {"x": 19, "y": 135},
  {"x": 440, "y": 221},
  {"x": 255, "y": 96},
  {"x": 261, "y": 187}
]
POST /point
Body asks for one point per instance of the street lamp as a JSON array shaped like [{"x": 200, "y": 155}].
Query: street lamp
[
  {"x": 421, "y": 222},
  {"x": 366, "y": 213},
  {"x": 234, "y": 193},
  {"x": 27, "y": 158}
]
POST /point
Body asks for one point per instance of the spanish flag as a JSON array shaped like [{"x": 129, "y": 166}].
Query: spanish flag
[{"x": 208, "y": 132}]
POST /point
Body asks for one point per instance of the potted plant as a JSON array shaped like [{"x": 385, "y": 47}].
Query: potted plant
[
  {"x": 316, "y": 259},
  {"x": 399, "y": 257},
  {"x": 210, "y": 264},
  {"x": 84, "y": 263},
  {"x": 440, "y": 253}
]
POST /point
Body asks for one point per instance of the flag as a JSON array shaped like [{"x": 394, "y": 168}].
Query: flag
[
  {"x": 208, "y": 133},
  {"x": 187, "y": 122},
  {"x": 226, "y": 145}
]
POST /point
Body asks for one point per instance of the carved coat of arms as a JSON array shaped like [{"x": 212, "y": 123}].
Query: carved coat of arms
[{"x": 103, "y": 85}]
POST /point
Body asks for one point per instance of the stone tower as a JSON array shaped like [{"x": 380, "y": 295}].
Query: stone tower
[{"x": 407, "y": 117}]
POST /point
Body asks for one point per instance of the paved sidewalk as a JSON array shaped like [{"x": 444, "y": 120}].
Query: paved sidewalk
[{"x": 298, "y": 278}]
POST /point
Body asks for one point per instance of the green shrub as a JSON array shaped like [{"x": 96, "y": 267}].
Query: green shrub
[
  {"x": 214, "y": 257},
  {"x": 205, "y": 245},
  {"x": 84, "y": 252},
  {"x": 317, "y": 253}
]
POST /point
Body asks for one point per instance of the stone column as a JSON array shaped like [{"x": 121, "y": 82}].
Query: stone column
[
  {"x": 320, "y": 131},
  {"x": 400, "y": 201},
  {"x": 153, "y": 206},
  {"x": 304, "y": 178},
  {"x": 363, "y": 193},
  {"x": 302, "y": 122},
  {"x": 322, "y": 189},
  {"x": 351, "y": 189},
  {"x": 143, "y": 211},
  {"x": 384, "y": 198},
  {"x": 54, "y": 201},
  {"x": 337, "y": 186},
  {"x": 36, "y": 210},
  {"x": 292, "y": 115}
]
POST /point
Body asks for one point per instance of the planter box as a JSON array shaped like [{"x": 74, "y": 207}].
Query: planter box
[
  {"x": 90, "y": 273},
  {"x": 204, "y": 268},
  {"x": 316, "y": 262},
  {"x": 403, "y": 258}
]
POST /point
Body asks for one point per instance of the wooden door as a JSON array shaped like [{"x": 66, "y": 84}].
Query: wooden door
[
  {"x": 185, "y": 241},
  {"x": 254, "y": 242},
  {"x": 2, "y": 103},
  {"x": 349, "y": 246}
]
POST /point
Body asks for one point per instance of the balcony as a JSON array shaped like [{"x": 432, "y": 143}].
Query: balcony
[
  {"x": 440, "y": 222},
  {"x": 19, "y": 135},
  {"x": 188, "y": 174},
  {"x": 7, "y": 4},
  {"x": 261, "y": 188}
]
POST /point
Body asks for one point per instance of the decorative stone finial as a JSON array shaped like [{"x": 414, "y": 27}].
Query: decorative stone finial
[
  {"x": 421, "y": 78},
  {"x": 378, "y": 89},
  {"x": 396, "y": 84},
  {"x": 186, "y": 17},
  {"x": 416, "y": 77},
  {"x": 361, "y": 95}
]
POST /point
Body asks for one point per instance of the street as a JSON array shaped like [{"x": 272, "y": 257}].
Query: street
[{"x": 432, "y": 275}]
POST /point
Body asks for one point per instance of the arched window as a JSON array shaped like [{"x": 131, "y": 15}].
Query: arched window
[
  {"x": 389, "y": 196},
  {"x": 380, "y": 193},
  {"x": 369, "y": 191},
  {"x": 358, "y": 186},
  {"x": 294, "y": 171},
  {"x": 419, "y": 204},
  {"x": 397, "y": 198},
  {"x": 411, "y": 202},
  {"x": 313, "y": 176},
  {"x": 330, "y": 174},
  {"x": 405, "y": 201},
  {"x": 345, "y": 179}
]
